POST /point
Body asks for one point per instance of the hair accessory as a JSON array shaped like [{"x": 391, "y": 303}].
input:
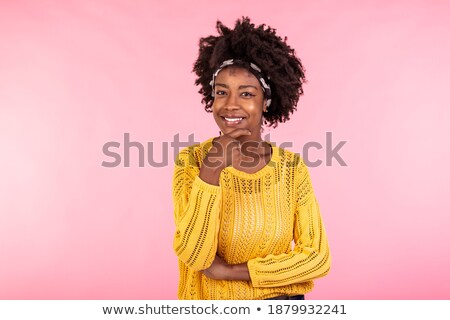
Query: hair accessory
[{"x": 254, "y": 69}]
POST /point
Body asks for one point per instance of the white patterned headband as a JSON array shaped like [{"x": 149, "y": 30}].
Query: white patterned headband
[{"x": 254, "y": 69}]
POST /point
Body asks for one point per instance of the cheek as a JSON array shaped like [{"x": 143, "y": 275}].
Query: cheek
[
  {"x": 255, "y": 109},
  {"x": 215, "y": 107},
  {"x": 215, "y": 111}
]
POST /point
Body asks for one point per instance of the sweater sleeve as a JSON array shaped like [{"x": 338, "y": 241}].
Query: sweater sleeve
[
  {"x": 196, "y": 210},
  {"x": 310, "y": 257}
]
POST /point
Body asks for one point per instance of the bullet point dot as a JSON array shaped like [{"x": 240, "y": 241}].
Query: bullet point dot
[{"x": 259, "y": 309}]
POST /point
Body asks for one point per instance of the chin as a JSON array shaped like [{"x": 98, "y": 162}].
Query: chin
[{"x": 228, "y": 129}]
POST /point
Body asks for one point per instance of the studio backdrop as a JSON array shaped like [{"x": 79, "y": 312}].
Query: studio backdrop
[{"x": 96, "y": 97}]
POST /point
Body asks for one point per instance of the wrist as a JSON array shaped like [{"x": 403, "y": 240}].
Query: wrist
[
  {"x": 239, "y": 272},
  {"x": 213, "y": 163},
  {"x": 210, "y": 174}
]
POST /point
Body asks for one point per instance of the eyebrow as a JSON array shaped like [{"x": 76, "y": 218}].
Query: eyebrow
[{"x": 240, "y": 87}]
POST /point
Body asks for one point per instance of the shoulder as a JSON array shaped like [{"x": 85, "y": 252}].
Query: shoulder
[
  {"x": 193, "y": 155},
  {"x": 293, "y": 167},
  {"x": 289, "y": 159}
]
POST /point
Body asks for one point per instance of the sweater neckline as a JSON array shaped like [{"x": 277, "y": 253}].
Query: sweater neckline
[{"x": 274, "y": 159}]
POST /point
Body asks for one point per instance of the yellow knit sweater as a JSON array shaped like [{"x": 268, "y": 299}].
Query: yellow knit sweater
[{"x": 252, "y": 218}]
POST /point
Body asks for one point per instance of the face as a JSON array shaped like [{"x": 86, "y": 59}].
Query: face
[{"x": 239, "y": 101}]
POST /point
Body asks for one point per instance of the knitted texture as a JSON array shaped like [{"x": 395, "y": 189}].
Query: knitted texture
[{"x": 269, "y": 219}]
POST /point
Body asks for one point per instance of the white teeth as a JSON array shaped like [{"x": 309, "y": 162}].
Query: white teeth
[{"x": 233, "y": 119}]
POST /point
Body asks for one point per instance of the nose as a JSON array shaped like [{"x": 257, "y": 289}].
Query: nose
[{"x": 232, "y": 102}]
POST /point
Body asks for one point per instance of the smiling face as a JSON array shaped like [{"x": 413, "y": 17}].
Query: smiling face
[{"x": 238, "y": 101}]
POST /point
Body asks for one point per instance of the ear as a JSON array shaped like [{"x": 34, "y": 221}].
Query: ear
[{"x": 265, "y": 106}]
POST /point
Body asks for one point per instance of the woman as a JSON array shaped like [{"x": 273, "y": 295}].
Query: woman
[{"x": 240, "y": 201}]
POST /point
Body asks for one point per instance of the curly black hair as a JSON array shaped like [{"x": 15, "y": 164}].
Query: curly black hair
[{"x": 262, "y": 46}]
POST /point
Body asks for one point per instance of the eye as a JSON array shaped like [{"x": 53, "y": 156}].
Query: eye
[
  {"x": 220, "y": 92},
  {"x": 247, "y": 94}
]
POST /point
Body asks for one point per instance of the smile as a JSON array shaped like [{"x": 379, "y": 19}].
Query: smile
[{"x": 233, "y": 119}]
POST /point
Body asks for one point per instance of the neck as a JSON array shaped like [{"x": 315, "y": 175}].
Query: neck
[
  {"x": 254, "y": 147},
  {"x": 250, "y": 139}
]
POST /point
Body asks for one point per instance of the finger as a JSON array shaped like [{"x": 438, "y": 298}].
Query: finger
[{"x": 238, "y": 133}]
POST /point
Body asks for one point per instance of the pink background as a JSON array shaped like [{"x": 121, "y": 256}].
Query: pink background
[{"x": 77, "y": 74}]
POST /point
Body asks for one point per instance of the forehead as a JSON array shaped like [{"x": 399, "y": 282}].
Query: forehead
[{"x": 237, "y": 73}]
